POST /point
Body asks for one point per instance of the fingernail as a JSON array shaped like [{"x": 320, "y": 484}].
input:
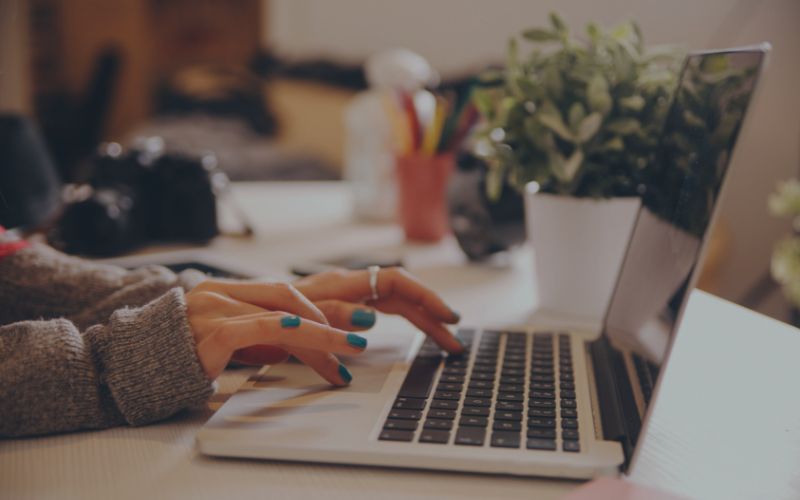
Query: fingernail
[
  {"x": 290, "y": 321},
  {"x": 357, "y": 341},
  {"x": 345, "y": 374},
  {"x": 456, "y": 316},
  {"x": 362, "y": 317}
]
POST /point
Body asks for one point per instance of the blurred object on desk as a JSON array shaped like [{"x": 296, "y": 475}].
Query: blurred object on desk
[{"x": 371, "y": 132}]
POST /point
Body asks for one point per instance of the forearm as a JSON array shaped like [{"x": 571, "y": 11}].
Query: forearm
[
  {"x": 139, "y": 367},
  {"x": 39, "y": 282}
]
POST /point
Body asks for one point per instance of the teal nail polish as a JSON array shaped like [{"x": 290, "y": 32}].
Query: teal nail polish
[
  {"x": 290, "y": 321},
  {"x": 356, "y": 341},
  {"x": 345, "y": 374},
  {"x": 456, "y": 316},
  {"x": 363, "y": 317}
]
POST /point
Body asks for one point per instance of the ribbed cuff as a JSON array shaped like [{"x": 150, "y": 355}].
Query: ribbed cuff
[{"x": 149, "y": 360}]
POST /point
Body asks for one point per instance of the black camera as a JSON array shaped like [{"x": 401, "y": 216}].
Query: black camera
[{"x": 138, "y": 196}]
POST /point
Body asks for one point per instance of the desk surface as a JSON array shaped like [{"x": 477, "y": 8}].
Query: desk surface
[{"x": 297, "y": 222}]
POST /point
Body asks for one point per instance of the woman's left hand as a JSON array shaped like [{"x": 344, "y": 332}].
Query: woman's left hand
[{"x": 345, "y": 298}]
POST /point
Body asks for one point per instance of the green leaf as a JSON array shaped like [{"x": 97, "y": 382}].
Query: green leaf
[
  {"x": 558, "y": 23},
  {"x": 550, "y": 117},
  {"x": 597, "y": 94},
  {"x": 540, "y": 35},
  {"x": 572, "y": 165},
  {"x": 576, "y": 115},
  {"x": 593, "y": 32},
  {"x": 589, "y": 126},
  {"x": 512, "y": 55},
  {"x": 483, "y": 102},
  {"x": 615, "y": 144},
  {"x": 633, "y": 103},
  {"x": 624, "y": 126}
]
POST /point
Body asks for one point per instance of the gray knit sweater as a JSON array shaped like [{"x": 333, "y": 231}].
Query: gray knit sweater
[{"x": 87, "y": 346}]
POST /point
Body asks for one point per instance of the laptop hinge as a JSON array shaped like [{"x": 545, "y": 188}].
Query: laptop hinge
[{"x": 619, "y": 415}]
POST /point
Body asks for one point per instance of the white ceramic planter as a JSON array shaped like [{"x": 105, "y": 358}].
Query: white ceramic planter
[{"x": 578, "y": 246}]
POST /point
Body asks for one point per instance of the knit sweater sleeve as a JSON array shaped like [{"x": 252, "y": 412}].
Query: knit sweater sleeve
[
  {"x": 39, "y": 282},
  {"x": 138, "y": 367}
]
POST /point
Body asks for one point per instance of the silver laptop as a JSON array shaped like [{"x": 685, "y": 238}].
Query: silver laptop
[{"x": 523, "y": 401}]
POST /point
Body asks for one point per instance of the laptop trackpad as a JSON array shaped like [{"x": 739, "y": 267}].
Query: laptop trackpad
[{"x": 369, "y": 371}]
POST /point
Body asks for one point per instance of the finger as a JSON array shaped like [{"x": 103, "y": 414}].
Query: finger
[
  {"x": 397, "y": 282},
  {"x": 286, "y": 331},
  {"x": 272, "y": 296},
  {"x": 354, "y": 286},
  {"x": 422, "y": 320},
  {"x": 261, "y": 355},
  {"x": 347, "y": 315},
  {"x": 325, "y": 364}
]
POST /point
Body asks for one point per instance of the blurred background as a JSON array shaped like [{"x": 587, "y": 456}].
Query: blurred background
[{"x": 265, "y": 84}]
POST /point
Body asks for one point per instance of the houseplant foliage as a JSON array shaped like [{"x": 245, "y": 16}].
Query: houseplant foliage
[
  {"x": 786, "y": 256},
  {"x": 581, "y": 117}
]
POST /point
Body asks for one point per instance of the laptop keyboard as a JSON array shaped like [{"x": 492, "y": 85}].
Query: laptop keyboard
[{"x": 508, "y": 390}]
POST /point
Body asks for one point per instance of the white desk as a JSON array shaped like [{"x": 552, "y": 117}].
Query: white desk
[{"x": 297, "y": 222}]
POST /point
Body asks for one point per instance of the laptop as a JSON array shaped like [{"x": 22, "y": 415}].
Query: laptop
[{"x": 523, "y": 401}]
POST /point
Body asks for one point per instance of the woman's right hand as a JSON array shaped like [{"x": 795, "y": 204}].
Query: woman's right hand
[{"x": 262, "y": 323}]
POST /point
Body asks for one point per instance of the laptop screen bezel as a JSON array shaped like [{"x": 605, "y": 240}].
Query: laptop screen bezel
[{"x": 762, "y": 50}]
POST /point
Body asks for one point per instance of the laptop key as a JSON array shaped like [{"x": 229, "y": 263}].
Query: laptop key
[
  {"x": 515, "y": 416},
  {"x": 569, "y": 423},
  {"x": 445, "y": 386},
  {"x": 452, "y": 379},
  {"x": 395, "y": 435},
  {"x": 442, "y": 414},
  {"x": 568, "y": 394},
  {"x": 473, "y": 421},
  {"x": 444, "y": 404},
  {"x": 419, "y": 378},
  {"x": 538, "y": 386},
  {"x": 505, "y": 439},
  {"x": 540, "y": 444},
  {"x": 512, "y": 380},
  {"x": 475, "y": 410},
  {"x": 405, "y": 414},
  {"x": 569, "y": 413},
  {"x": 438, "y": 424},
  {"x": 434, "y": 436},
  {"x": 515, "y": 388},
  {"x": 452, "y": 395},
  {"x": 542, "y": 412},
  {"x": 482, "y": 376},
  {"x": 543, "y": 395},
  {"x": 542, "y": 403},
  {"x": 510, "y": 396},
  {"x": 484, "y": 402},
  {"x": 481, "y": 384},
  {"x": 542, "y": 433},
  {"x": 542, "y": 423},
  {"x": 570, "y": 434},
  {"x": 568, "y": 403},
  {"x": 509, "y": 405},
  {"x": 409, "y": 403},
  {"x": 479, "y": 393},
  {"x": 506, "y": 425},
  {"x": 573, "y": 446},
  {"x": 567, "y": 385},
  {"x": 470, "y": 436},
  {"x": 402, "y": 425}
]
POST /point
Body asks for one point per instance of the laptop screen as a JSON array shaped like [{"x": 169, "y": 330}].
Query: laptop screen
[{"x": 698, "y": 137}]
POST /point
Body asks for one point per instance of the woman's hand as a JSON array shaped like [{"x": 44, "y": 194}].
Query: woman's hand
[
  {"x": 341, "y": 295},
  {"x": 261, "y": 323}
]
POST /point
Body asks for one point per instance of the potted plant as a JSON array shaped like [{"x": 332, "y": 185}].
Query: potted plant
[{"x": 574, "y": 124}]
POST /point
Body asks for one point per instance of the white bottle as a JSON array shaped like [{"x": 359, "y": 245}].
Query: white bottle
[{"x": 369, "y": 150}]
